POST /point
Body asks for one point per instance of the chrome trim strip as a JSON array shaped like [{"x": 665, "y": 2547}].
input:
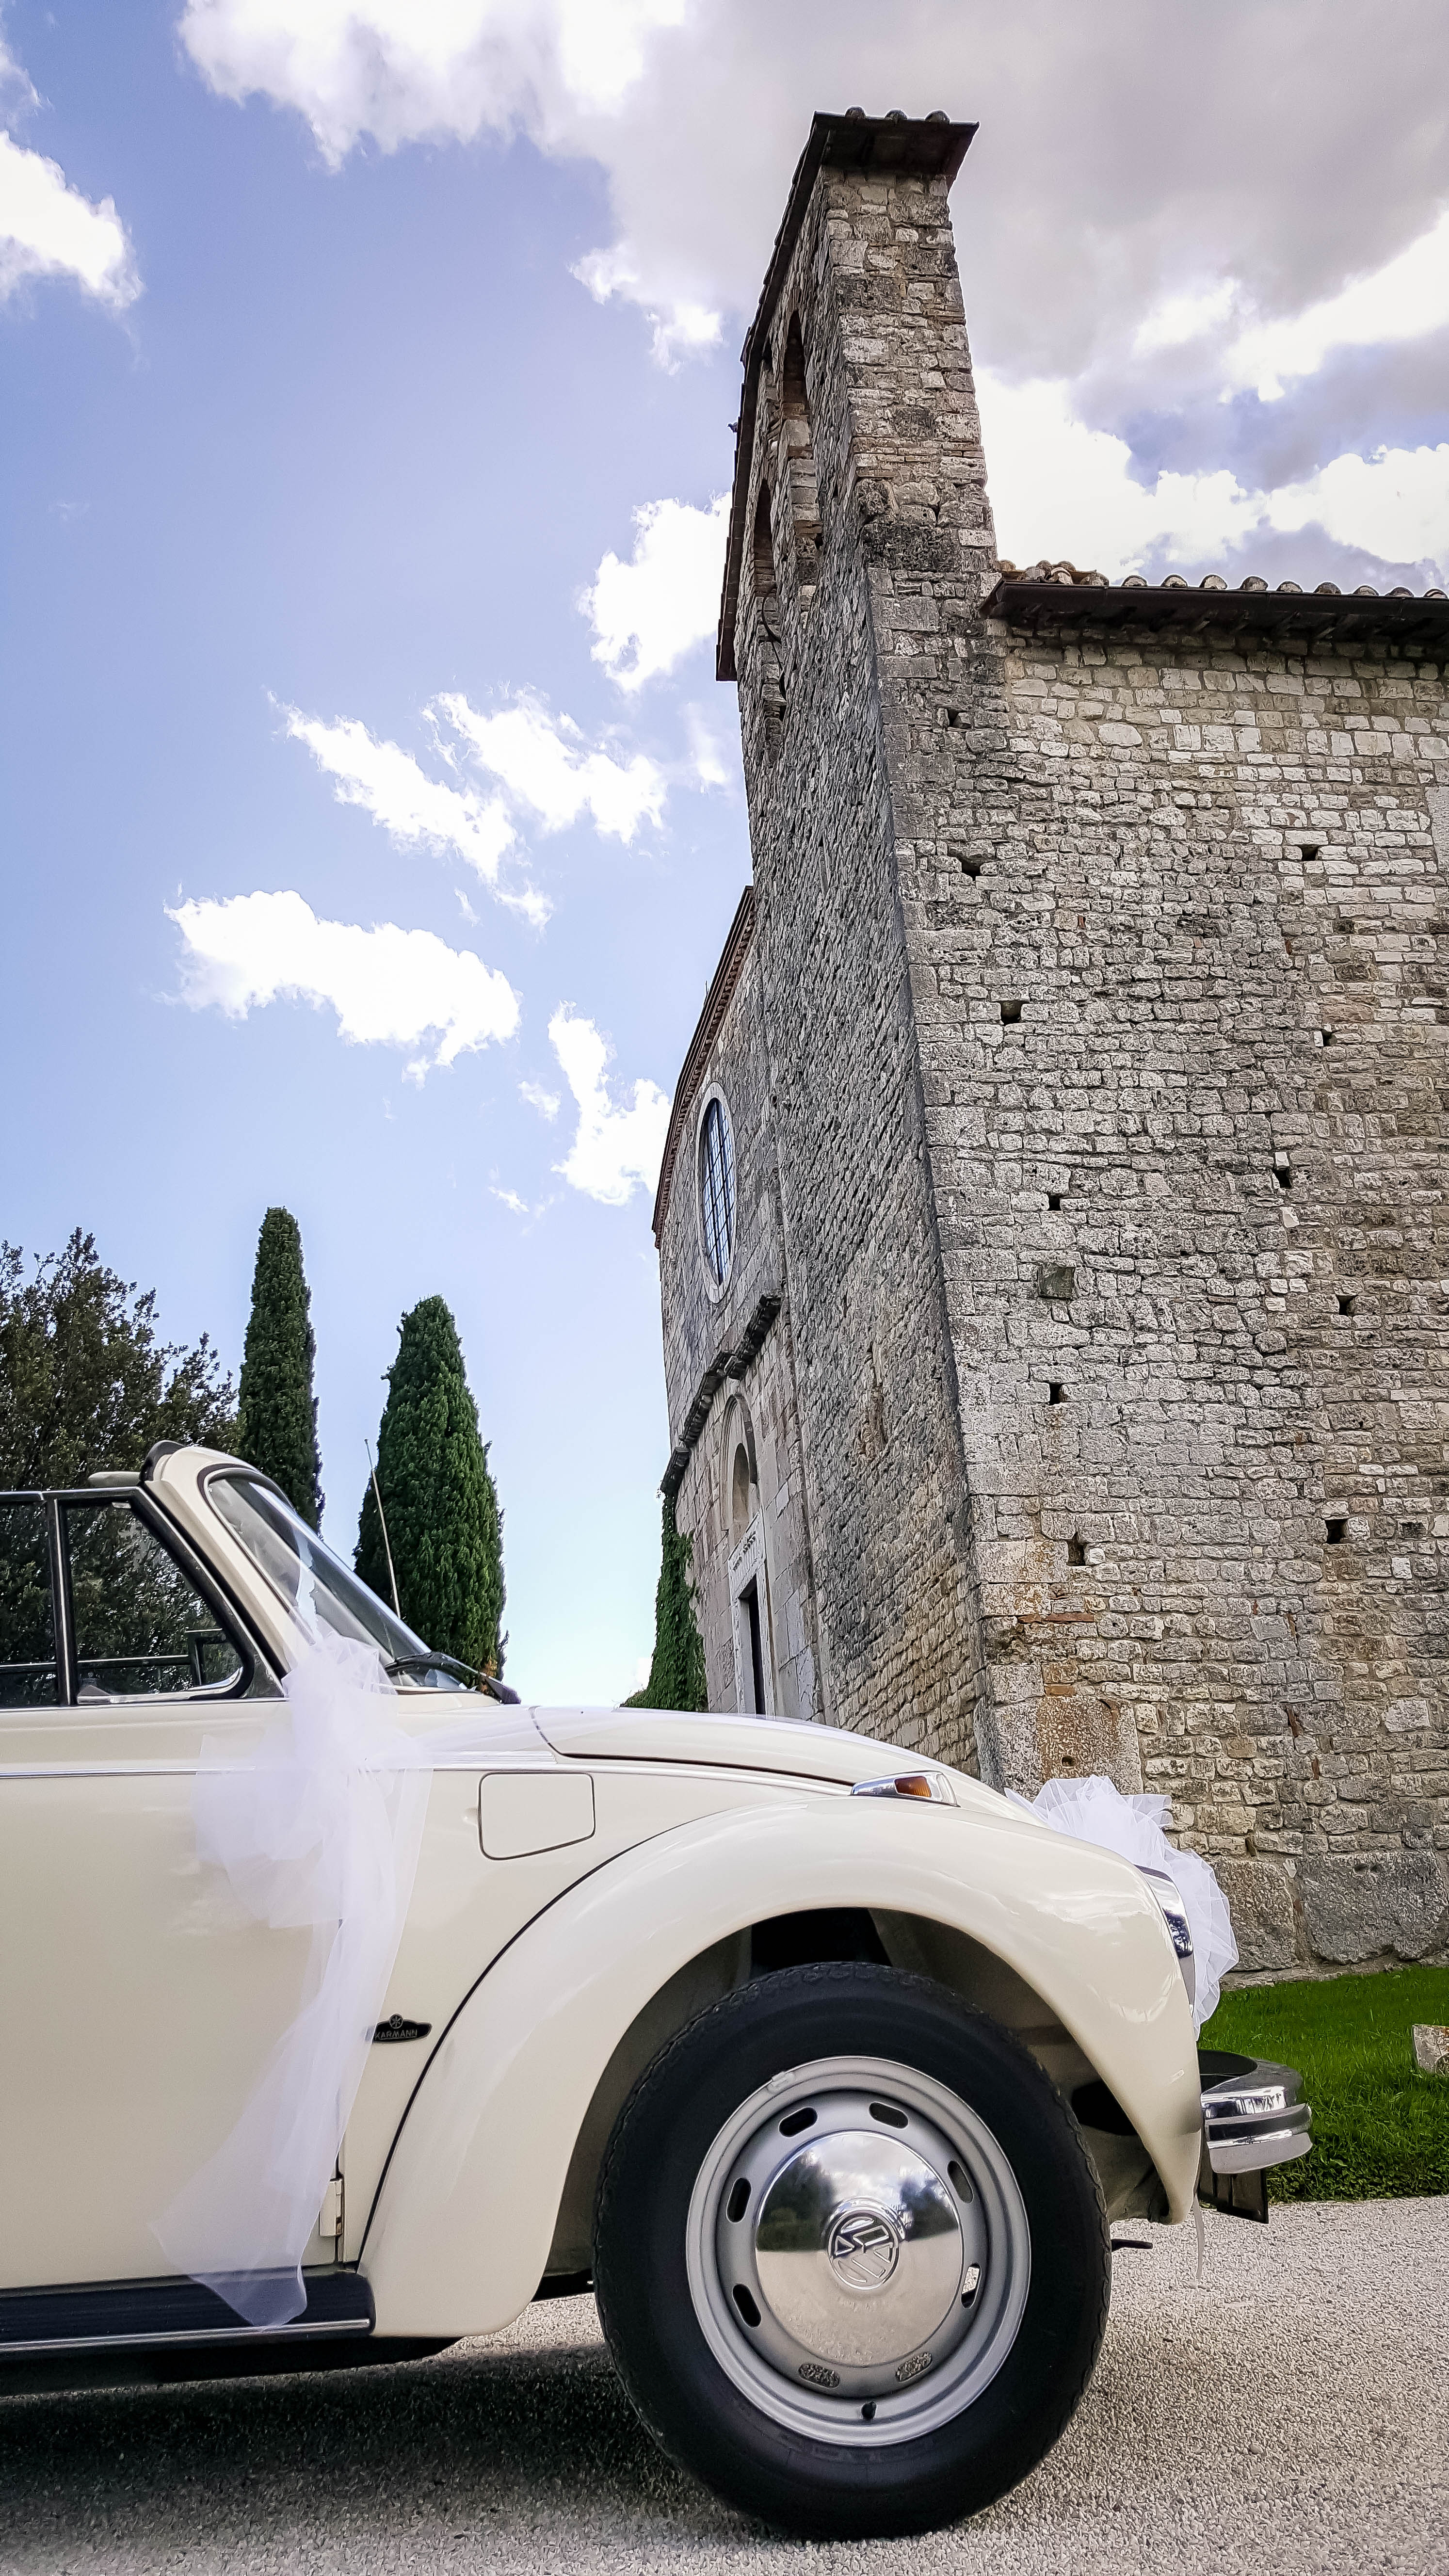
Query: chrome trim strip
[
  {"x": 1287, "y": 2115},
  {"x": 1246, "y": 2106},
  {"x": 1254, "y": 2155},
  {"x": 196, "y": 2334}
]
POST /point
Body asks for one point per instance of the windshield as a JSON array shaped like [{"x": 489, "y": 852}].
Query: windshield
[{"x": 316, "y": 1584}]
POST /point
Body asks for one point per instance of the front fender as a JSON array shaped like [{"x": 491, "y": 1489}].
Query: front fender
[{"x": 463, "y": 2223}]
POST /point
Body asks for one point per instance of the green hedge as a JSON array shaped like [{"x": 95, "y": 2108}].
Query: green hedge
[{"x": 1380, "y": 2128}]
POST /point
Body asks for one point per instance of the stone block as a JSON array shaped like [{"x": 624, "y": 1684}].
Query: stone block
[
  {"x": 1079, "y": 1735},
  {"x": 1260, "y": 1901},
  {"x": 1431, "y": 2047},
  {"x": 1360, "y": 1905}
]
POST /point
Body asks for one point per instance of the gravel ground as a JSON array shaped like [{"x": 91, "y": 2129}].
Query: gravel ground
[{"x": 1289, "y": 2413}]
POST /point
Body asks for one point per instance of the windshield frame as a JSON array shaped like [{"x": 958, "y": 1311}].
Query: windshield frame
[{"x": 397, "y": 1645}]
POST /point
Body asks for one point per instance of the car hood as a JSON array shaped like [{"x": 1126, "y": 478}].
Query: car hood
[{"x": 800, "y": 1750}]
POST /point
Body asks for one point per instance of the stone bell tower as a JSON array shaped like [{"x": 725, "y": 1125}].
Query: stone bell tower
[
  {"x": 860, "y": 538},
  {"x": 1081, "y": 1327},
  {"x": 859, "y": 541}
]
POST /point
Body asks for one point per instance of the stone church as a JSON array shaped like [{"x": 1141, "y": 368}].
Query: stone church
[{"x": 1052, "y": 1227}]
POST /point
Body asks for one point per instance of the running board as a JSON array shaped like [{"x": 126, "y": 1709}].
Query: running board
[{"x": 121, "y": 2314}]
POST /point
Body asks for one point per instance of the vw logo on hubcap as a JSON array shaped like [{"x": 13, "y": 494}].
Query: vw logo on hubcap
[{"x": 864, "y": 2245}]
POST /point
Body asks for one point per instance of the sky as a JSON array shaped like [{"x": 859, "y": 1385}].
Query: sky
[{"x": 371, "y": 819}]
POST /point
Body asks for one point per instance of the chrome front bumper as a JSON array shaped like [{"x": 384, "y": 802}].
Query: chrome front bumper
[{"x": 1253, "y": 2117}]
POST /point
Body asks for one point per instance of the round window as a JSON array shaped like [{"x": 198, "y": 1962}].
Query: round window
[{"x": 717, "y": 1190}]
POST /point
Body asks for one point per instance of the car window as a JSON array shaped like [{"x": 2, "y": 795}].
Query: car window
[
  {"x": 27, "y": 1620},
  {"x": 315, "y": 1583},
  {"x": 141, "y": 1627}
]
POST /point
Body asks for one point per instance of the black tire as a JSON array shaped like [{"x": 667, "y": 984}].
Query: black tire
[{"x": 846, "y": 2485}]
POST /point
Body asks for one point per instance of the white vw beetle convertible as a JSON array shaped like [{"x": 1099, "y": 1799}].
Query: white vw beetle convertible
[{"x": 827, "y": 2074}]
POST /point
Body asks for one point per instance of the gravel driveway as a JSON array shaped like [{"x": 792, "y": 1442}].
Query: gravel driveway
[{"x": 1290, "y": 2413}]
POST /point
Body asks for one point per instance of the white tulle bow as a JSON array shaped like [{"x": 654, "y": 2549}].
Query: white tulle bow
[
  {"x": 1095, "y": 1812},
  {"x": 320, "y": 1830}
]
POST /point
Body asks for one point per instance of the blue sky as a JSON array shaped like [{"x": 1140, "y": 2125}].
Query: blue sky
[{"x": 367, "y": 846}]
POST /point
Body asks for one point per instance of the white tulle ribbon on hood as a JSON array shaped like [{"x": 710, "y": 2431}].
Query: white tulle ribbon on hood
[
  {"x": 1095, "y": 1812},
  {"x": 321, "y": 1829}
]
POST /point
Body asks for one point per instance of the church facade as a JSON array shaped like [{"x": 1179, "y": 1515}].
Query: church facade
[{"x": 1052, "y": 1224}]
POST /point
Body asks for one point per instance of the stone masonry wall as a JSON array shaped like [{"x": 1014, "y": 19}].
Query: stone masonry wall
[
  {"x": 701, "y": 1325},
  {"x": 1096, "y": 1023},
  {"x": 1208, "y": 878},
  {"x": 881, "y": 1438}
]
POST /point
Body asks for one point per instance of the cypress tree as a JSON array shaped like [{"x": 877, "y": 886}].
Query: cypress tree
[
  {"x": 276, "y": 1408},
  {"x": 676, "y": 1674},
  {"x": 438, "y": 1493}
]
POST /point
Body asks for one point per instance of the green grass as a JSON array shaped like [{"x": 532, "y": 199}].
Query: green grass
[{"x": 1380, "y": 2128}]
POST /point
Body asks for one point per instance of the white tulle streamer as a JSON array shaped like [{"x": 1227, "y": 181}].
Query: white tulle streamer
[
  {"x": 320, "y": 1830},
  {"x": 1095, "y": 1812}
]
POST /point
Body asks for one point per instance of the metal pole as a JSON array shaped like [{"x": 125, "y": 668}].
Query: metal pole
[{"x": 382, "y": 1517}]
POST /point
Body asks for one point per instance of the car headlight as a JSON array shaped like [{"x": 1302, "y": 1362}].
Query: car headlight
[{"x": 1174, "y": 1915}]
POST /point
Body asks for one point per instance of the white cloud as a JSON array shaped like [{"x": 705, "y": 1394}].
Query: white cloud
[
  {"x": 709, "y": 762},
  {"x": 547, "y": 1103},
  {"x": 613, "y": 1149},
  {"x": 1394, "y": 504},
  {"x": 681, "y": 326},
  {"x": 510, "y": 1199},
  {"x": 388, "y": 987},
  {"x": 546, "y": 764},
  {"x": 48, "y": 229},
  {"x": 409, "y": 805},
  {"x": 1195, "y": 249},
  {"x": 12, "y": 76},
  {"x": 542, "y": 767},
  {"x": 696, "y": 111},
  {"x": 649, "y": 612},
  {"x": 1405, "y": 298},
  {"x": 1180, "y": 318},
  {"x": 1062, "y": 490},
  {"x": 406, "y": 71}
]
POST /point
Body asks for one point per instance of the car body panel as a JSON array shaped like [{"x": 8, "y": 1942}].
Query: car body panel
[
  {"x": 628, "y": 1855},
  {"x": 789, "y": 1747},
  {"x": 468, "y": 1908},
  {"x": 138, "y": 2007},
  {"x": 465, "y": 2218}
]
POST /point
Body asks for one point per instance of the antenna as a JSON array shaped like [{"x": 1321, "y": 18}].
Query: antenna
[{"x": 382, "y": 1516}]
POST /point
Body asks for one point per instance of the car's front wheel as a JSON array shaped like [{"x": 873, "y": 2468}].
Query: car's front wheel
[{"x": 851, "y": 2254}]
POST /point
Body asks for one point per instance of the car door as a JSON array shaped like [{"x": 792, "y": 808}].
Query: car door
[{"x": 138, "y": 2001}]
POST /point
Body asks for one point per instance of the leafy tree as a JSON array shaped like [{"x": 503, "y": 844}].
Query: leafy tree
[
  {"x": 676, "y": 1674},
  {"x": 276, "y": 1408},
  {"x": 443, "y": 1519},
  {"x": 84, "y": 1380}
]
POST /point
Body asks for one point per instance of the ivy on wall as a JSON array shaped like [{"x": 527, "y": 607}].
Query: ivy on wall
[{"x": 676, "y": 1674}]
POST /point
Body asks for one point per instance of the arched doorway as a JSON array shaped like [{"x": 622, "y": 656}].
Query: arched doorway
[{"x": 748, "y": 1568}]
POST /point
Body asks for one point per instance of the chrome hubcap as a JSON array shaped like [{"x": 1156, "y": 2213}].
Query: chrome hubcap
[
  {"x": 858, "y": 2247},
  {"x": 858, "y": 2250}
]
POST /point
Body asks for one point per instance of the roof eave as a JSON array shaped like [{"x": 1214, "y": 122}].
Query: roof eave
[{"x": 1330, "y": 616}]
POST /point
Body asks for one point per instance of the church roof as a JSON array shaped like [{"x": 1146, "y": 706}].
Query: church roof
[
  {"x": 1049, "y": 598},
  {"x": 923, "y": 147}
]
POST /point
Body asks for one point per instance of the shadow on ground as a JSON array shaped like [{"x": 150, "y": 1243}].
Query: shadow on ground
[
  {"x": 1293, "y": 2389},
  {"x": 346, "y": 2465}
]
